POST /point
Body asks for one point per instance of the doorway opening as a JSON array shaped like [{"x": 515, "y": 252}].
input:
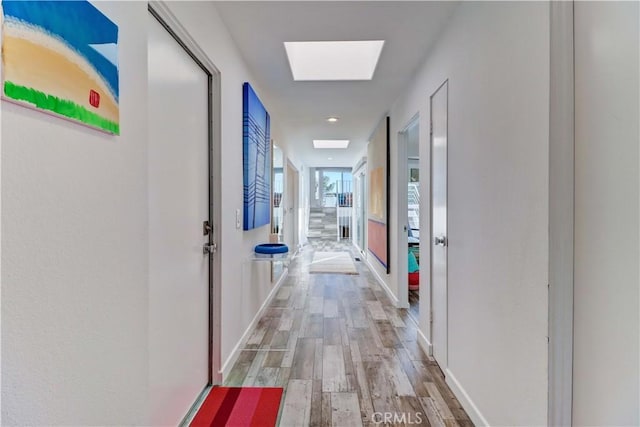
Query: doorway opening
[
  {"x": 331, "y": 204},
  {"x": 413, "y": 219},
  {"x": 409, "y": 212},
  {"x": 291, "y": 209}
]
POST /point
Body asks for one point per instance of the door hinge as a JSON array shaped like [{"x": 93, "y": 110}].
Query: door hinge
[
  {"x": 210, "y": 248},
  {"x": 431, "y": 317}
]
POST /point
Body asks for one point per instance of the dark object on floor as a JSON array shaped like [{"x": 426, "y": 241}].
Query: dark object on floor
[
  {"x": 239, "y": 406},
  {"x": 357, "y": 259}
]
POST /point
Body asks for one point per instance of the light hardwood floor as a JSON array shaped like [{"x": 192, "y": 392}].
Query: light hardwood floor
[
  {"x": 344, "y": 354},
  {"x": 414, "y": 303}
]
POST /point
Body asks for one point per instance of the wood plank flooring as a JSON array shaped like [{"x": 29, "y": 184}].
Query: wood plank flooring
[
  {"x": 344, "y": 354},
  {"x": 414, "y": 303}
]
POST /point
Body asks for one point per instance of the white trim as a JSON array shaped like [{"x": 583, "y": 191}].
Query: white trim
[
  {"x": 359, "y": 167},
  {"x": 360, "y": 173},
  {"x": 358, "y": 248},
  {"x": 463, "y": 397},
  {"x": 295, "y": 213},
  {"x": 162, "y": 8},
  {"x": 424, "y": 342},
  {"x": 445, "y": 309},
  {"x": 402, "y": 218},
  {"x": 402, "y": 207},
  {"x": 233, "y": 357},
  {"x": 196, "y": 407},
  {"x": 561, "y": 214},
  {"x": 382, "y": 283}
]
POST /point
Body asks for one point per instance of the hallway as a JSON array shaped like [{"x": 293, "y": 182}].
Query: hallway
[
  {"x": 343, "y": 353},
  {"x": 231, "y": 124}
]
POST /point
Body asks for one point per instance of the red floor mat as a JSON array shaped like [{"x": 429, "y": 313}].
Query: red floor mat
[{"x": 239, "y": 406}]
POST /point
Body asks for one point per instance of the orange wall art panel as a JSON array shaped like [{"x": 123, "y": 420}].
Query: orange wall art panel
[{"x": 378, "y": 216}]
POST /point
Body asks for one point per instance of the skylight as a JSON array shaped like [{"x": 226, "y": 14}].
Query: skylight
[
  {"x": 335, "y": 60},
  {"x": 330, "y": 143}
]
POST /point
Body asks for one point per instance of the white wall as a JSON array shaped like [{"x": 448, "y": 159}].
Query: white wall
[
  {"x": 496, "y": 57},
  {"x": 413, "y": 145},
  {"x": 299, "y": 233},
  {"x": 305, "y": 202},
  {"x": 75, "y": 279},
  {"x": 245, "y": 285},
  {"x": 74, "y": 256},
  {"x": 606, "y": 323}
]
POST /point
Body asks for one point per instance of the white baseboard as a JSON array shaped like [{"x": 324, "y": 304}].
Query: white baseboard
[
  {"x": 233, "y": 357},
  {"x": 464, "y": 399},
  {"x": 424, "y": 343},
  {"x": 390, "y": 294}
]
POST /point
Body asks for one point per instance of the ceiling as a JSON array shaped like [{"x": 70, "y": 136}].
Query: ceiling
[{"x": 301, "y": 108}]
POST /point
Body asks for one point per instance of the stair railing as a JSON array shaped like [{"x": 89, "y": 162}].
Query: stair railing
[
  {"x": 344, "y": 209},
  {"x": 414, "y": 204}
]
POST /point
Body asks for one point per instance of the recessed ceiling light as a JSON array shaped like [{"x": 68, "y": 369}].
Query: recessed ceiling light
[
  {"x": 332, "y": 119},
  {"x": 329, "y": 158},
  {"x": 334, "y": 60},
  {"x": 330, "y": 143}
]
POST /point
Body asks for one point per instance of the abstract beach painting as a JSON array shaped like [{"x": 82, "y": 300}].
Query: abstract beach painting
[{"x": 62, "y": 57}]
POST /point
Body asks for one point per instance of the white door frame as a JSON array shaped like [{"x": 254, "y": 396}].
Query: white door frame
[
  {"x": 164, "y": 15},
  {"x": 431, "y": 234},
  {"x": 402, "y": 270},
  {"x": 294, "y": 212},
  {"x": 561, "y": 213},
  {"x": 360, "y": 176}
]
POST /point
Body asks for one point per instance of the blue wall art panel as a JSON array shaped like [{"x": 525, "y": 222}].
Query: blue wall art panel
[{"x": 256, "y": 153}]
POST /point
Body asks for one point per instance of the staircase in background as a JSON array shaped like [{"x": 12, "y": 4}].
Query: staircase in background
[
  {"x": 323, "y": 223},
  {"x": 414, "y": 205}
]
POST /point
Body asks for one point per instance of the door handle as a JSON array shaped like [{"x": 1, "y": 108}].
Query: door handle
[{"x": 440, "y": 241}]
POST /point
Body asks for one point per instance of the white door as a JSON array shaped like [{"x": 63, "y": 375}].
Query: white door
[
  {"x": 178, "y": 206},
  {"x": 360, "y": 210},
  {"x": 439, "y": 239}
]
